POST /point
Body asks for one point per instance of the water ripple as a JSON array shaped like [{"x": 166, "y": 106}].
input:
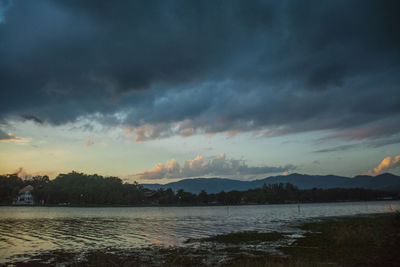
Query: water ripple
[{"x": 30, "y": 230}]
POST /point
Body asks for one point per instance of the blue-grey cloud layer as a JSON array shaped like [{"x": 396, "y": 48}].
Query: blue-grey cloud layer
[{"x": 206, "y": 66}]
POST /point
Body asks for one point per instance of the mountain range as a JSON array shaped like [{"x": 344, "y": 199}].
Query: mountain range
[{"x": 385, "y": 181}]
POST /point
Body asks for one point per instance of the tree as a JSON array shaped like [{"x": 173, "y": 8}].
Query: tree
[
  {"x": 9, "y": 187},
  {"x": 202, "y": 197}
]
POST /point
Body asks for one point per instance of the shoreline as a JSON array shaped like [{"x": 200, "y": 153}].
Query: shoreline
[
  {"x": 367, "y": 239},
  {"x": 198, "y": 205}
]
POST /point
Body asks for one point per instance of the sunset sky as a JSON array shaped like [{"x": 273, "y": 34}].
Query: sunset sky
[{"x": 156, "y": 91}]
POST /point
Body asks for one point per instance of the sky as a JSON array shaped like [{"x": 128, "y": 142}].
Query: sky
[{"x": 157, "y": 91}]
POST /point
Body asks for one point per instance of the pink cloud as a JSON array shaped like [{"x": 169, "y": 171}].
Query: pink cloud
[
  {"x": 385, "y": 165},
  {"x": 199, "y": 166},
  {"x": 89, "y": 143}
]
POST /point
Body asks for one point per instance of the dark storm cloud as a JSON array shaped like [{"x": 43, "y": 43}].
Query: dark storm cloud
[
  {"x": 32, "y": 118},
  {"x": 177, "y": 67},
  {"x": 325, "y": 76}
]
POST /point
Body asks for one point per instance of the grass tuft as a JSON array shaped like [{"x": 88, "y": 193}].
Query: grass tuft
[{"x": 365, "y": 241}]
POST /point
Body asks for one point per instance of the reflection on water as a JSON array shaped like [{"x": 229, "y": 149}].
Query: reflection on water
[{"x": 31, "y": 230}]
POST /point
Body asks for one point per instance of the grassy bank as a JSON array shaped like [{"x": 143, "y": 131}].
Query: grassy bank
[
  {"x": 356, "y": 241},
  {"x": 352, "y": 241}
]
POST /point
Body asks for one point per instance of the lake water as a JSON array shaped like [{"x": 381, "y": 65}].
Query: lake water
[{"x": 33, "y": 230}]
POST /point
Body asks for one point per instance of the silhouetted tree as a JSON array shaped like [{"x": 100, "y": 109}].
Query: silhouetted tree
[{"x": 82, "y": 189}]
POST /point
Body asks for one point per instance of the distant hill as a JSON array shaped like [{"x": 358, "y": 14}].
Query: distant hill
[{"x": 384, "y": 181}]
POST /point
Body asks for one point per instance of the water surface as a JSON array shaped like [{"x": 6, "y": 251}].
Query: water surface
[{"x": 32, "y": 230}]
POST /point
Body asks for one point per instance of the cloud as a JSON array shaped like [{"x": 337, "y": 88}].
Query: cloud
[
  {"x": 374, "y": 142},
  {"x": 170, "y": 169},
  {"x": 199, "y": 166},
  {"x": 386, "y": 164},
  {"x": 386, "y": 141},
  {"x": 386, "y": 127},
  {"x": 148, "y": 131},
  {"x": 337, "y": 148},
  {"x": 89, "y": 143},
  {"x": 4, "y": 6},
  {"x": 7, "y": 138},
  {"x": 184, "y": 68},
  {"x": 32, "y": 118}
]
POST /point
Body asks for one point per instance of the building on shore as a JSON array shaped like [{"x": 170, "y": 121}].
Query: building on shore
[{"x": 24, "y": 196}]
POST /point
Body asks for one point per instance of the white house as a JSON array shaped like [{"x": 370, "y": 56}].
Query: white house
[{"x": 24, "y": 196}]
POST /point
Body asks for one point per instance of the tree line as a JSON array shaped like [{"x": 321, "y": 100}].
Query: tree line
[{"x": 82, "y": 189}]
